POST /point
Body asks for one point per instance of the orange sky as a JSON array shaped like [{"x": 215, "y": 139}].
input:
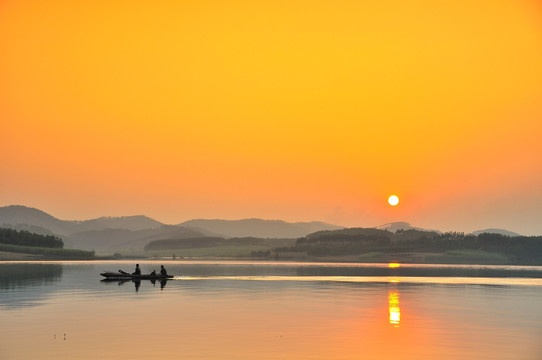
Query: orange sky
[{"x": 293, "y": 110}]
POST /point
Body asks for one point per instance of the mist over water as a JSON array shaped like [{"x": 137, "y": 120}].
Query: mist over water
[{"x": 253, "y": 310}]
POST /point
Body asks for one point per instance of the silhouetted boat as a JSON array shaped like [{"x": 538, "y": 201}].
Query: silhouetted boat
[{"x": 126, "y": 276}]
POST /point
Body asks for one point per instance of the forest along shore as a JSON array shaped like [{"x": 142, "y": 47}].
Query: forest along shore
[{"x": 367, "y": 245}]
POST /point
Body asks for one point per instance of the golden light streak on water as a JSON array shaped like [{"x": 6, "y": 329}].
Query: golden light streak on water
[
  {"x": 393, "y": 306},
  {"x": 380, "y": 279},
  {"x": 394, "y": 265}
]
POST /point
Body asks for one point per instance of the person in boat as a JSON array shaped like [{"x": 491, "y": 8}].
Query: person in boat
[
  {"x": 163, "y": 270},
  {"x": 137, "y": 270}
]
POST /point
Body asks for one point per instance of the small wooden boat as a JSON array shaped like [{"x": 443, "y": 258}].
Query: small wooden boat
[{"x": 121, "y": 275}]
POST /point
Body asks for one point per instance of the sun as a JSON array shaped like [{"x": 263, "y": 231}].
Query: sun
[{"x": 393, "y": 200}]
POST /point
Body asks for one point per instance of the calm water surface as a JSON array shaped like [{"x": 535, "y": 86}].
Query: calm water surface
[{"x": 258, "y": 310}]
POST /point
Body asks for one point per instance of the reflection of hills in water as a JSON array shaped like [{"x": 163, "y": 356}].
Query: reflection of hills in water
[
  {"x": 28, "y": 279},
  {"x": 19, "y": 275}
]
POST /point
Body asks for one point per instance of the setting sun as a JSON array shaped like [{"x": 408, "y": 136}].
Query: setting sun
[
  {"x": 136, "y": 107},
  {"x": 393, "y": 200}
]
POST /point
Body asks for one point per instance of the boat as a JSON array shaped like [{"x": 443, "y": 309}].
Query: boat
[{"x": 121, "y": 275}]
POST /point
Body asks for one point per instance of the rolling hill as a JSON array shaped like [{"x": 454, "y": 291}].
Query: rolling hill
[
  {"x": 22, "y": 217},
  {"x": 496, "y": 231},
  {"x": 257, "y": 228},
  {"x": 110, "y": 240},
  {"x": 394, "y": 226},
  {"x": 132, "y": 233}
]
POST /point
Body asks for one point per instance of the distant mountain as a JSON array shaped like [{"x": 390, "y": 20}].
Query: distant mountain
[
  {"x": 496, "y": 231},
  {"x": 394, "y": 226},
  {"x": 134, "y": 232},
  {"x": 110, "y": 240},
  {"x": 137, "y": 222},
  {"x": 20, "y": 217},
  {"x": 26, "y": 218},
  {"x": 257, "y": 228}
]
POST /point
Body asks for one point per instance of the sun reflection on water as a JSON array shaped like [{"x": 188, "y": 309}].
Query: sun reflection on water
[{"x": 393, "y": 306}]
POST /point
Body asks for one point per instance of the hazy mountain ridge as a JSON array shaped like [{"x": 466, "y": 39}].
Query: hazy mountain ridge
[
  {"x": 125, "y": 239},
  {"x": 400, "y": 225},
  {"x": 134, "y": 232},
  {"x": 258, "y": 227},
  {"x": 136, "y": 222},
  {"x": 20, "y": 216}
]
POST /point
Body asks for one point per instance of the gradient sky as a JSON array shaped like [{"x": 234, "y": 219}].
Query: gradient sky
[{"x": 293, "y": 110}]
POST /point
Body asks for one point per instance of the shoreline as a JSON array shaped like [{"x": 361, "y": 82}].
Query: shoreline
[{"x": 349, "y": 259}]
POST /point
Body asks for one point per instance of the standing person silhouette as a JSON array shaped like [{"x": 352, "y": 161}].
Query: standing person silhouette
[
  {"x": 137, "y": 270},
  {"x": 163, "y": 270}
]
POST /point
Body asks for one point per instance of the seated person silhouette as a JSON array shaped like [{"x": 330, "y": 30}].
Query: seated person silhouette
[{"x": 163, "y": 270}]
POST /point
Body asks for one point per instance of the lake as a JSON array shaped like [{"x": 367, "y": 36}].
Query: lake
[{"x": 270, "y": 310}]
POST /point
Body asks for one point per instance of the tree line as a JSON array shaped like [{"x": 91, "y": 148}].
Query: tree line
[
  {"x": 26, "y": 238},
  {"x": 520, "y": 249}
]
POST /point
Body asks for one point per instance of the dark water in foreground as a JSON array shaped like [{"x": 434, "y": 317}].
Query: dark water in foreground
[{"x": 244, "y": 310}]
